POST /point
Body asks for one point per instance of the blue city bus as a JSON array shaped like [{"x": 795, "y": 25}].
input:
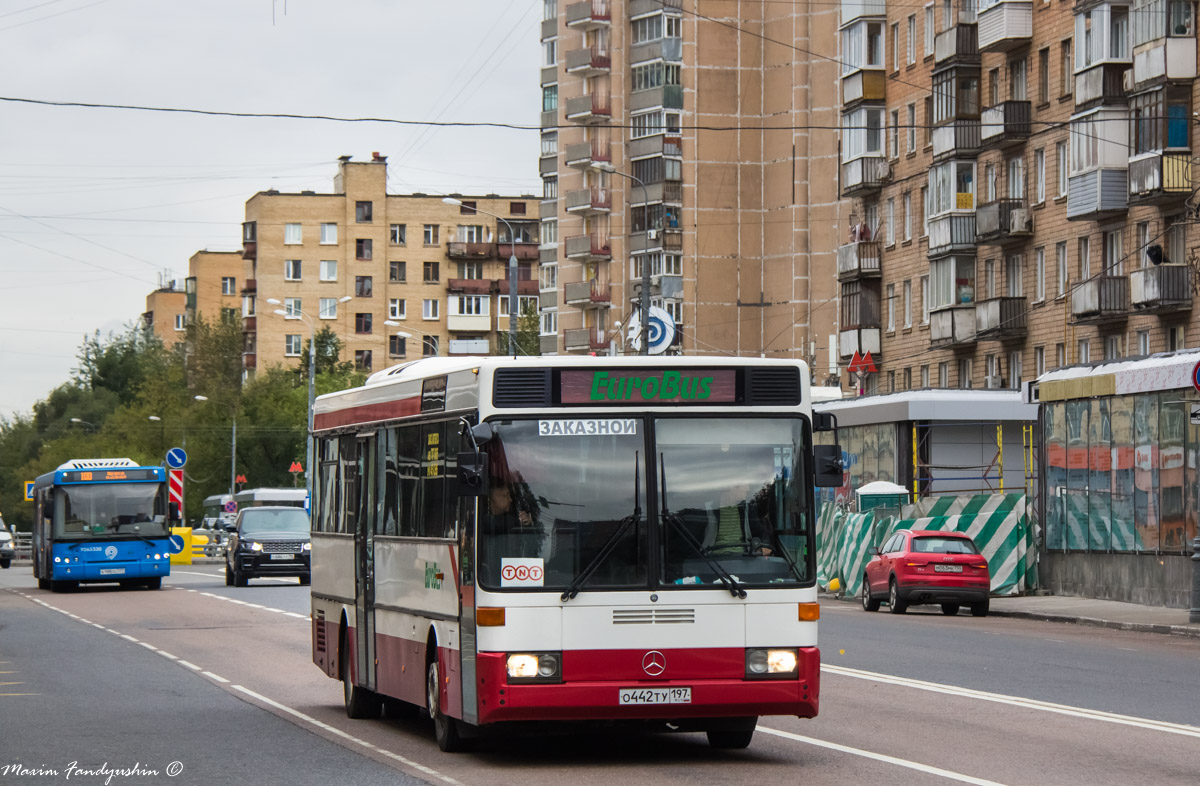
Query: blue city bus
[{"x": 102, "y": 520}]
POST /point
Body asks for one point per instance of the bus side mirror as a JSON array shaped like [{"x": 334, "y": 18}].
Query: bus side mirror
[
  {"x": 472, "y": 473},
  {"x": 827, "y": 466},
  {"x": 824, "y": 421}
]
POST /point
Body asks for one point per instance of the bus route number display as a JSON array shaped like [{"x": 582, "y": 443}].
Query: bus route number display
[
  {"x": 103, "y": 475},
  {"x": 637, "y": 386}
]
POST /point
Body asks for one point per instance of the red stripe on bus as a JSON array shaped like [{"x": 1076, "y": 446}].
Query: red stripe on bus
[{"x": 367, "y": 413}]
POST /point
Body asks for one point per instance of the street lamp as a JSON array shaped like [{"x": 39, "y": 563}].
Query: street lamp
[
  {"x": 512, "y": 274},
  {"x": 84, "y": 423},
  {"x": 405, "y": 334},
  {"x": 644, "y": 300},
  {"x": 312, "y": 382},
  {"x": 232, "y": 449}
]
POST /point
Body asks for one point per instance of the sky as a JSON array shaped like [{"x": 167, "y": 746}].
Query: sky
[{"x": 98, "y": 205}]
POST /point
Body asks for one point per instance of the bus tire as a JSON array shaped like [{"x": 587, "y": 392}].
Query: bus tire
[
  {"x": 445, "y": 728},
  {"x": 63, "y": 586},
  {"x": 732, "y": 736},
  {"x": 360, "y": 702},
  {"x": 44, "y": 584},
  {"x": 154, "y": 583}
]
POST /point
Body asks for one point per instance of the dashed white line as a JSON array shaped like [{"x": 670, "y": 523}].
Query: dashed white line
[
  {"x": 150, "y": 647},
  {"x": 189, "y": 664},
  {"x": 216, "y": 677},
  {"x": 166, "y": 654},
  {"x": 127, "y": 637}
]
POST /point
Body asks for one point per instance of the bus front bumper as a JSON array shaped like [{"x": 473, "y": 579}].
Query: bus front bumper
[{"x": 501, "y": 701}]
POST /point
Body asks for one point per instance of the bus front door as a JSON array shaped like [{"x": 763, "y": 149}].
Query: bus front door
[{"x": 364, "y": 563}]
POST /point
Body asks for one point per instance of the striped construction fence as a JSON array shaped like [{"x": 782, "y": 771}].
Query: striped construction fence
[{"x": 996, "y": 522}]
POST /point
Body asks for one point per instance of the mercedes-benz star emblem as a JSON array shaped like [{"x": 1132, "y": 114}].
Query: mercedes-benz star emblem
[{"x": 654, "y": 663}]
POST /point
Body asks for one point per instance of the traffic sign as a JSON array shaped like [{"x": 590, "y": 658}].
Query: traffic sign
[
  {"x": 1195, "y": 415},
  {"x": 1196, "y": 376},
  {"x": 29, "y": 491},
  {"x": 868, "y": 364},
  {"x": 176, "y": 544},
  {"x": 175, "y": 488},
  {"x": 176, "y": 458},
  {"x": 231, "y": 507}
]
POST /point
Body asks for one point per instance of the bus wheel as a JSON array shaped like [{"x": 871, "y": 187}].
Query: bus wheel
[
  {"x": 44, "y": 584},
  {"x": 154, "y": 583},
  {"x": 731, "y": 736},
  {"x": 4, "y": 563},
  {"x": 360, "y": 702},
  {"x": 445, "y": 728},
  {"x": 63, "y": 586}
]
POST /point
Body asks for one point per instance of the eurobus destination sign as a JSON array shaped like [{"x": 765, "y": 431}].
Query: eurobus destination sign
[{"x": 648, "y": 386}]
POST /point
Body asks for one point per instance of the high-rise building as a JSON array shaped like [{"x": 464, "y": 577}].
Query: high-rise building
[
  {"x": 213, "y": 286},
  {"x": 698, "y": 140}
]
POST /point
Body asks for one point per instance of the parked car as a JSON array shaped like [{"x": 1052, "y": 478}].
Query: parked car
[
  {"x": 8, "y": 547},
  {"x": 268, "y": 541},
  {"x": 925, "y": 566}
]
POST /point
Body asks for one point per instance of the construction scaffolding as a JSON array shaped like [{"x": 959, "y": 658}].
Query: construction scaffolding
[{"x": 989, "y": 475}]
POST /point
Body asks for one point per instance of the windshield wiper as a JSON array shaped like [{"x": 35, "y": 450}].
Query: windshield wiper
[
  {"x": 573, "y": 588},
  {"x": 731, "y": 584}
]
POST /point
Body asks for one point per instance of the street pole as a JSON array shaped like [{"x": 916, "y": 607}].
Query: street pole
[
  {"x": 1194, "y": 611},
  {"x": 312, "y": 390},
  {"x": 233, "y": 458}
]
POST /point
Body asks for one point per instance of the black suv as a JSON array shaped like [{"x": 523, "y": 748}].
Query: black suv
[{"x": 268, "y": 541}]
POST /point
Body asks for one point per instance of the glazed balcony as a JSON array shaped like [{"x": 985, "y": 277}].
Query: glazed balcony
[
  {"x": 859, "y": 260},
  {"x": 588, "y": 109},
  {"x": 589, "y": 248},
  {"x": 1098, "y": 195},
  {"x": 864, "y": 175},
  {"x": 1001, "y": 318},
  {"x": 668, "y": 49},
  {"x": 861, "y": 340},
  {"x": 1005, "y": 124},
  {"x": 669, "y": 239},
  {"x": 457, "y": 249},
  {"x": 588, "y": 294},
  {"x": 860, "y": 9},
  {"x": 959, "y": 44},
  {"x": 1100, "y": 299},
  {"x": 666, "y": 96},
  {"x": 589, "y": 15},
  {"x": 1101, "y": 84},
  {"x": 1164, "y": 59},
  {"x": 1159, "y": 289},
  {"x": 583, "y": 155},
  {"x": 1160, "y": 178},
  {"x": 591, "y": 61},
  {"x": 592, "y": 201},
  {"x": 1003, "y": 221},
  {"x": 863, "y": 85},
  {"x": 952, "y": 326},
  {"x": 952, "y": 233},
  {"x": 1005, "y": 25}
]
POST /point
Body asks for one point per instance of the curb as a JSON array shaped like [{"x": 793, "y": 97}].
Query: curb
[{"x": 1185, "y": 631}]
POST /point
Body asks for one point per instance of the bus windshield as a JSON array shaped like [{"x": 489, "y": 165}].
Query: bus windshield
[
  {"x": 568, "y": 500},
  {"x": 110, "y": 509}
]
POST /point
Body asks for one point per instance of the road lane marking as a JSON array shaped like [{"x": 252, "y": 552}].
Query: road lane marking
[
  {"x": 127, "y": 636},
  {"x": 150, "y": 647},
  {"x": 1017, "y": 701},
  {"x": 189, "y": 664},
  {"x": 347, "y": 736},
  {"x": 216, "y": 677},
  {"x": 166, "y": 654},
  {"x": 912, "y": 765}
]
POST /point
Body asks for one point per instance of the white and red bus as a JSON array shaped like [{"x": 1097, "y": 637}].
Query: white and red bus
[{"x": 509, "y": 541}]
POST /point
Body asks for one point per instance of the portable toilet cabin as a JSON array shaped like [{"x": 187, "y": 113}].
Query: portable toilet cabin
[{"x": 881, "y": 494}]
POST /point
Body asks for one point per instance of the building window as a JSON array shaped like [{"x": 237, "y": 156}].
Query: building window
[
  {"x": 1085, "y": 258},
  {"x": 894, "y": 134},
  {"x": 908, "y": 379},
  {"x": 895, "y": 46},
  {"x": 862, "y": 46},
  {"x": 228, "y": 285},
  {"x": 526, "y": 304},
  {"x": 229, "y": 315},
  {"x": 1114, "y": 246},
  {"x": 1143, "y": 339},
  {"x": 292, "y": 235},
  {"x": 1044, "y": 76},
  {"x": 429, "y": 308},
  {"x": 291, "y": 345},
  {"x": 398, "y": 234},
  {"x": 430, "y": 236},
  {"x": 891, "y": 307},
  {"x": 469, "y": 306},
  {"x": 549, "y": 323},
  {"x": 397, "y": 272},
  {"x": 549, "y": 232},
  {"x": 329, "y": 270},
  {"x": 1084, "y": 354},
  {"x": 396, "y": 346},
  {"x": 911, "y": 132},
  {"x": 549, "y": 188},
  {"x": 362, "y": 249},
  {"x": 1039, "y": 275},
  {"x": 429, "y": 346},
  {"x": 431, "y": 272},
  {"x": 548, "y": 277},
  {"x": 362, "y": 286},
  {"x": 944, "y": 374},
  {"x": 1013, "y": 269},
  {"x": 1014, "y": 369},
  {"x": 907, "y": 215},
  {"x": 329, "y": 234},
  {"x": 292, "y": 307},
  {"x": 1039, "y": 361},
  {"x": 396, "y": 308},
  {"x": 1039, "y": 176},
  {"x": 1017, "y": 75},
  {"x": 291, "y": 270},
  {"x": 328, "y": 307},
  {"x": 1112, "y": 347},
  {"x": 964, "y": 373},
  {"x": 890, "y": 217},
  {"x": 1065, "y": 69},
  {"x": 549, "y": 52},
  {"x": 925, "y": 301},
  {"x": 924, "y": 376},
  {"x": 929, "y": 36},
  {"x": 550, "y": 98},
  {"x": 908, "y": 303},
  {"x": 1060, "y": 257},
  {"x": 362, "y": 322},
  {"x": 1016, "y": 178},
  {"x": 1176, "y": 244},
  {"x": 928, "y": 105},
  {"x": 1176, "y": 338},
  {"x": 362, "y": 359},
  {"x": 864, "y": 133},
  {"x": 180, "y": 321},
  {"x": 911, "y": 43},
  {"x": 362, "y": 212},
  {"x": 516, "y": 208}
]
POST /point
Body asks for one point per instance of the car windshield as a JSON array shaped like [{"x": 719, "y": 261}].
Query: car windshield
[
  {"x": 262, "y": 521},
  {"x": 108, "y": 509},
  {"x": 940, "y": 545}
]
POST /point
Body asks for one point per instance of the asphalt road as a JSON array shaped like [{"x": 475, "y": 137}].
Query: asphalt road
[{"x": 221, "y": 680}]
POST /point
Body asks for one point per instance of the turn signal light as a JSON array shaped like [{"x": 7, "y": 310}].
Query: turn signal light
[
  {"x": 810, "y": 612},
  {"x": 489, "y": 616}
]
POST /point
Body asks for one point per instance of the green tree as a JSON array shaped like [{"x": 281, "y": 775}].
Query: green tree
[
  {"x": 328, "y": 355},
  {"x": 529, "y": 342}
]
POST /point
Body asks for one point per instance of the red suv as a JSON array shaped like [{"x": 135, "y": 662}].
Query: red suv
[{"x": 924, "y": 566}]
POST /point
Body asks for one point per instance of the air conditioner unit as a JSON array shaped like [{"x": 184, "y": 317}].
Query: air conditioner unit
[
  {"x": 1019, "y": 221},
  {"x": 994, "y": 382},
  {"x": 1127, "y": 80},
  {"x": 652, "y": 234}
]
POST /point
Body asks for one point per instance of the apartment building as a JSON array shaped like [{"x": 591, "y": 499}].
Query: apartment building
[
  {"x": 395, "y": 276},
  {"x": 213, "y": 286},
  {"x": 1018, "y": 175},
  {"x": 698, "y": 140},
  {"x": 165, "y": 315}
]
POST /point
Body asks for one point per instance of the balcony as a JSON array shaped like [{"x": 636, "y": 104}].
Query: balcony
[
  {"x": 1005, "y": 124},
  {"x": 468, "y": 346},
  {"x": 668, "y": 49},
  {"x": 1160, "y": 178},
  {"x": 249, "y": 360},
  {"x": 524, "y": 251},
  {"x": 592, "y": 201},
  {"x": 859, "y": 9},
  {"x": 952, "y": 233},
  {"x": 957, "y": 139},
  {"x": 666, "y": 96},
  {"x": 1005, "y": 25},
  {"x": 589, "y": 15},
  {"x": 859, "y": 260},
  {"x": 588, "y": 294},
  {"x": 589, "y": 248},
  {"x": 548, "y": 165},
  {"x": 863, "y": 85},
  {"x": 1100, "y": 299},
  {"x": 249, "y": 324},
  {"x": 1164, "y": 59},
  {"x": 525, "y": 286},
  {"x": 864, "y": 175},
  {"x": 959, "y": 44},
  {"x": 249, "y": 286},
  {"x": 588, "y": 109},
  {"x": 861, "y": 340},
  {"x": 469, "y": 286},
  {"x": 952, "y": 326},
  {"x": 1001, "y": 318},
  {"x": 1101, "y": 84},
  {"x": 548, "y": 345},
  {"x": 1098, "y": 195},
  {"x": 456, "y": 249},
  {"x": 548, "y": 208},
  {"x": 583, "y": 155},
  {"x": 474, "y": 323},
  {"x": 1159, "y": 289},
  {"x": 591, "y": 61},
  {"x": 1003, "y": 221},
  {"x": 585, "y": 339}
]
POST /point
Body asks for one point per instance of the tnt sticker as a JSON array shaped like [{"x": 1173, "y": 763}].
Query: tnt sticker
[{"x": 525, "y": 572}]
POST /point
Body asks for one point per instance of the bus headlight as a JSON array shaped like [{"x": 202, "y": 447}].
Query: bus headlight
[
  {"x": 771, "y": 664},
  {"x": 58, "y": 559},
  {"x": 534, "y": 667}
]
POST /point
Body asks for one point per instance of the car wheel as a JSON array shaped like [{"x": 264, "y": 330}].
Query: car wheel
[
  {"x": 4, "y": 563},
  {"x": 732, "y": 738},
  {"x": 895, "y": 604},
  {"x": 360, "y": 702},
  {"x": 868, "y": 603},
  {"x": 305, "y": 579},
  {"x": 979, "y": 609},
  {"x": 228, "y": 575},
  {"x": 445, "y": 728},
  {"x": 950, "y": 609},
  {"x": 154, "y": 583},
  {"x": 239, "y": 577}
]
